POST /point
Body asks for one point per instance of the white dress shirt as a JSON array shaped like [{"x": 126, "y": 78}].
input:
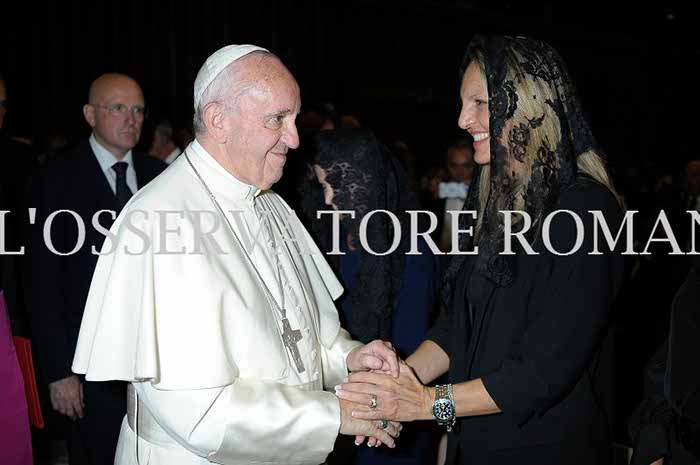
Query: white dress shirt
[{"x": 107, "y": 160}]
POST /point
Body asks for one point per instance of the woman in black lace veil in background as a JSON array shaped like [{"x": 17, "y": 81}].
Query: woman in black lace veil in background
[
  {"x": 388, "y": 296},
  {"x": 520, "y": 336}
]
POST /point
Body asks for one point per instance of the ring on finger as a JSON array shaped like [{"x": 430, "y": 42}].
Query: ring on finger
[
  {"x": 383, "y": 424},
  {"x": 373, "y": 403}
]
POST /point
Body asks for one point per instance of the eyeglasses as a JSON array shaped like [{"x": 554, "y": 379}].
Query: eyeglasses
[{"x": 119, "y": 109}]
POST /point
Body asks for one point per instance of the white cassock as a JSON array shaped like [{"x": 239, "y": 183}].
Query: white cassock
[{"x": 189, "y": 325}]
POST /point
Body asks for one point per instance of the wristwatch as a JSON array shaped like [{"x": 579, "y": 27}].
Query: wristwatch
[{"x": 444, "y": 407}]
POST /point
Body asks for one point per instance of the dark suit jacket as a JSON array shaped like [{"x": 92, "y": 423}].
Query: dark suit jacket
[
  {"x": 537, "y": 344},
  {"x": 59, "y": 284},
  {"x": 667, "y": 422}
]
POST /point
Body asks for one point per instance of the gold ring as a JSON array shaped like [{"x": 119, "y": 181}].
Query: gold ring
[{"x": 373, "y": 403}]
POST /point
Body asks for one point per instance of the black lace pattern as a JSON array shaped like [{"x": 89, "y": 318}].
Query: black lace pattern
[
  {"x": 365, "y": 177},
  {"x": 537, "y": 131}
]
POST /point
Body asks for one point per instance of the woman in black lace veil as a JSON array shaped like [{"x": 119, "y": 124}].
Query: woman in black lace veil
[
  {"x": 521, "y": 335},
  {"x": 356, "y": 173},
  {"x": 388, "y": 296}
]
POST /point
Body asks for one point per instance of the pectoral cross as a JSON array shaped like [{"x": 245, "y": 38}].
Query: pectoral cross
[{"x": 291, "y": 337}]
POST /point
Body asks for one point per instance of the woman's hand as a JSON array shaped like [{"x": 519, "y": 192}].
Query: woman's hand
[{"x": 400, "y": 399}]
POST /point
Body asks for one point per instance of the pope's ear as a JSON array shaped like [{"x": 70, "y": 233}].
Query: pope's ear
[
  {"x": 214, "y": 117},
  {"x": 89, "y": 114}
]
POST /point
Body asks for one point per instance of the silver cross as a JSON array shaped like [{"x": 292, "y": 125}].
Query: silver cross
[{"x": 291, "y": 337}]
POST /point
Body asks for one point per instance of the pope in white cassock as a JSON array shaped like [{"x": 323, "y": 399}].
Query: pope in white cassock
[{"x": 211, "y": 299}]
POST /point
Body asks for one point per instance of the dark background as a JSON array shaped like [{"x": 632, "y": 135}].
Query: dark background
[
  {"x": 391, "y": 63},
  {"x": 394, "y": 65}
]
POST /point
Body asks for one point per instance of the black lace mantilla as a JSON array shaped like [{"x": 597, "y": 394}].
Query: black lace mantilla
[
  {"x": 365, "y": 177},
  {"x": 536, "y": 124}
]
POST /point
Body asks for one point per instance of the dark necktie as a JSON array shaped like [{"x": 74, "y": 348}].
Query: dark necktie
[{"x": 123, "y": 191}]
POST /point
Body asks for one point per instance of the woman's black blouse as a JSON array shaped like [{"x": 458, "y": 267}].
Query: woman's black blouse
[{"x": 540, "y": 344}]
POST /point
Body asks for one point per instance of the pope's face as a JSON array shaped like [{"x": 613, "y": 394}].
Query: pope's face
[{"x": 263, "y": 127}]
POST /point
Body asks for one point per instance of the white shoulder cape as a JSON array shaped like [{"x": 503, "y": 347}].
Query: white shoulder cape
[{"x": 173, "y": 318}]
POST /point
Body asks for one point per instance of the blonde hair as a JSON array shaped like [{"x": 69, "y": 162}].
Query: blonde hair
[
  {"x": 590, "y": 162},
  {"x": 593, "y": 165}
]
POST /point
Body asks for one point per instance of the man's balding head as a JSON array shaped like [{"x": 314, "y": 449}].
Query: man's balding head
[
  {"x": 105, "y": 85},
  {"x": 247, "y": 118},
  {"x": 115, "y": 112}
]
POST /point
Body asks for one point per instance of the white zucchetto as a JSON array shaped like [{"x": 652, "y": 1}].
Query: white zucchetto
[{"x": 216, "y": 63}]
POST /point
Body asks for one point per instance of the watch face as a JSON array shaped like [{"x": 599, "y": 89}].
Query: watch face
[{"x": 443, "y": 409}]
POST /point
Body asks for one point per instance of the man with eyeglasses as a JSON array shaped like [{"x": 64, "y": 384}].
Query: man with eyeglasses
[{"x": 102, "y": 173}]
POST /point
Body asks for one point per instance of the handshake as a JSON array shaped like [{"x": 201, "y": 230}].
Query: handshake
[{"x": 381, "y": 392}]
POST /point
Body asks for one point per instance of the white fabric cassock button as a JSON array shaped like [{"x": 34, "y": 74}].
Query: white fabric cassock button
[{"x": 313, "y": 354}]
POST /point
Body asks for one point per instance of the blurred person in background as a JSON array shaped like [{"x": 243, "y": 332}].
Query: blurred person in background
[
  {"x": 392, "y": 296},
  {"x": 163, "y": 145},
  {"x": 665, "y": 427}
]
